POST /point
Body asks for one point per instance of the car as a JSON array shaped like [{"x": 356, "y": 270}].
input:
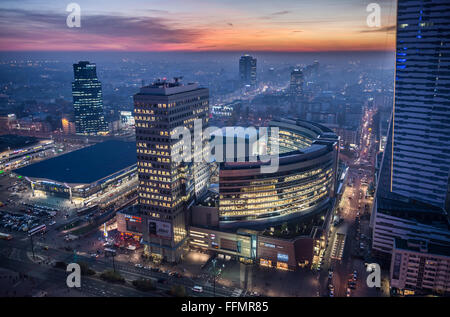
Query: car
[
  {"x": 355, "y": 274},
  {"x": 138, "y": 265},
  {"x": 147, "y": 267},
  {"x": 52, "y": 223},
  {"x": 330, "y": 275},
  {"x": 94, "y": 255},
  {"x": 348, "y": 292},
  {"x": 331, "y": 293},
  {"x": 197, "y": 289}
]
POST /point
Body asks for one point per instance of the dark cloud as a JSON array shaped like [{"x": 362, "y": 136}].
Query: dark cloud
[
  {"x": 281, "y": 12},
  {"x": 25, "y": 24},
  {"x": 275, "y": 14},
  {"x": 206, "y": 46}
]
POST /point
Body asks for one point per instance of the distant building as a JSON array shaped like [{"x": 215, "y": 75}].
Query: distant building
[
  {"x": 126, "y": 118},
  {"x": 247, "y": 70},
  {"x": 7, "y": 122},
  {"x": 166, "y": 188},
  {"x": 87, "y": 100},
  {"x": 296, "y": 84},
  {"x": 68, "y": 124}
]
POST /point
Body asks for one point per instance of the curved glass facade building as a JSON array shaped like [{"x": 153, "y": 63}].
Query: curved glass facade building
[{"x": 304, "y": 182}]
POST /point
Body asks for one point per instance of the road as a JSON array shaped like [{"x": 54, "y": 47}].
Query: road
[
  {"x": 16, "y": 255},
  {"x": 341, "y": 255}
]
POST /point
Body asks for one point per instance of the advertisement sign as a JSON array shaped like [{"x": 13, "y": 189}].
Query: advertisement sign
[
  {"x": 283, "y": 257},
  {"x": 160, "y": 229}
]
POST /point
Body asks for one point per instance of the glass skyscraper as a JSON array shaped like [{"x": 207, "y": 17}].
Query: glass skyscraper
[
  {"x": 421, "y": 116},
  {"x": 247, "y": 70},
  {"x": 413, "y": 190},
  {"x": 87, "y": 99}
]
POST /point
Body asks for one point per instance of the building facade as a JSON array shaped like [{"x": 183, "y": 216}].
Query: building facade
[
  {"x": 412, "y": 198},
  {"x": 420, "y": 267},
  {"x": 304, "y": 182},
  {"x": 87, "y": 100},
  {"x": 420, "y": 163},
  {"x": 166, "y": 186}
]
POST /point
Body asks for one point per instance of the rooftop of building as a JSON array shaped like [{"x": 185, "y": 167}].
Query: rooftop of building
[
  {"x": 16, "y": 141},
  {"x": 210, "y": 199},
  {"x": 133, "y": 210},
  {"x": 86, "y": 165},
  {"x": 422, "y": 246},
  {"x": 162, "y": 87}
]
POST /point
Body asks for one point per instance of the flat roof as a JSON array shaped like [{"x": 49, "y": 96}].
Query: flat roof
[
  {"x": 86, "y": 165},
  {"x": 16, "y": 141}
]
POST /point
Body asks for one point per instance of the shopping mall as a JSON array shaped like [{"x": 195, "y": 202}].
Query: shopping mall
[
  {"x": 84, "y": 173},
  {"x": 278, "y": 219}
]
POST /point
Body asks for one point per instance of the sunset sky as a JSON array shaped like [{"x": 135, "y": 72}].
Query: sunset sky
[{"x": 196, "y": 25}]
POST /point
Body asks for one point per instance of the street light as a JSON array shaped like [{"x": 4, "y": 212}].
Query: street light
[{"x": 214, "y": 276}]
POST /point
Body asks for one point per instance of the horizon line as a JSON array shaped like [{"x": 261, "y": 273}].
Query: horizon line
[{"x": 200, "y": 51}]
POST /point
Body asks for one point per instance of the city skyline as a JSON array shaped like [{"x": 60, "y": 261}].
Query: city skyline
[
  {"x": 235, "y": 149},
  {"x": 289, "y": 26}
]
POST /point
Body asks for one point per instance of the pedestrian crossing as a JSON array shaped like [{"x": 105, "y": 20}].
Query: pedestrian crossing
[{"x": 236, "y": 292}]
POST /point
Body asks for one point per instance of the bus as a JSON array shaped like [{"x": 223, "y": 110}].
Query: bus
[
  {"x": 42, "y": 228},
  {"x": 5, "y": 236}
]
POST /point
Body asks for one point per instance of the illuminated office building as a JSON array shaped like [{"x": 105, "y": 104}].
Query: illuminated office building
[
  {"x": 296, "y": 84},
  {"x": 247, "y": 70},
  {"x": 413, "y": 188},
  {"x": 87, "y": 100},
  {"x": 168, "y": 187}
]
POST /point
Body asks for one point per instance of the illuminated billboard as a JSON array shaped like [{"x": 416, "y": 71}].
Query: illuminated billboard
[{"x": 160, "y": 229}]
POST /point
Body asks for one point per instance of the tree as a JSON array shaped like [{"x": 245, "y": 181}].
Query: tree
[
  {"x": 178, "y": 291},
  {"x": 112, "y": 277},
  {"x": 85, "y": 270},
  {"x": 144, "y": 285},
  {"x": 285, "y": 228}
]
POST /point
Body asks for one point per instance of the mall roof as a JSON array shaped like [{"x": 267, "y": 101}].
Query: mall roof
[{"x": 86, "y": 165}]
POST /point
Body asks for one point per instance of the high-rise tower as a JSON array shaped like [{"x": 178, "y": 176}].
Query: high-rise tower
[
  {"x": 247, "y": 70},
  {"x": 413, "y": 187},
  {"x": 421, "y": 127},
  {"x": 166, "y": 186},
  {"x": 296, "y": 84},
  {"x": 87, "y": 100}
]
